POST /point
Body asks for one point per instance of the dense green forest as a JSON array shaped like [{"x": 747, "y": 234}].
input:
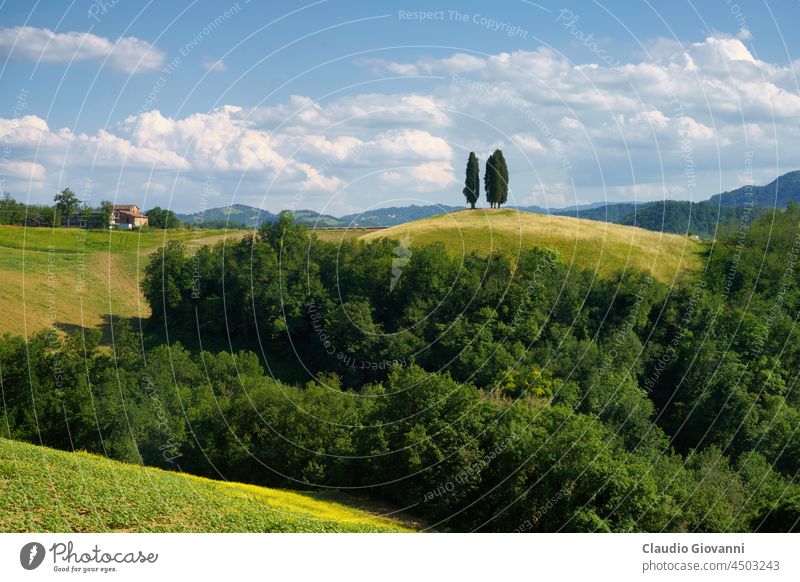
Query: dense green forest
[
  {"x": 606, "y": 213},
  {"x": 695, "y": 218},
  {"x": 499, "y": 393},
  {"x": 702, "y": 219}
]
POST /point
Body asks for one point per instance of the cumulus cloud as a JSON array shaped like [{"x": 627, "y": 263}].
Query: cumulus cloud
[
  {"x": 212, "y": 141},
  {"x": 31, "y": 135},
  {"x": 681, "y": 112},
  {"x": 428, "y": 177},
  {"x": 653, "y": 127},
  {"x": 224, "y": 141},
  {"x": 127, "y": 54},
  {"x": 416, "y": 143}
]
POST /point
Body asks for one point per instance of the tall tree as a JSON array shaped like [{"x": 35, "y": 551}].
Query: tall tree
[
  {"x": 106, "y": 212},
  {"x": 502, "y": 172},
  {"x": 495, "y": 179},
  {"x": 488, "y": 181},
  {"x": 472, "y": 182},
  {"x": 66, "y": 203}
]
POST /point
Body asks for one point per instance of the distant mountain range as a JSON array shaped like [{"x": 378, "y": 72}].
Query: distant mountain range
[
  {"x": 243, "y": 215},
  {"x": 703, "y": 218},
  {"x": 679, "y": 216},
  {"x": 776, "y": 194},
  {"x": 239, "y": 215}
]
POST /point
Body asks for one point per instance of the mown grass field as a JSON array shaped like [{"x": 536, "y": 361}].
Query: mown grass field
[
  {"x": 589, "y": 244},
  {"x": 44, "y": 490},
  {"x": 71, "y": 278}
]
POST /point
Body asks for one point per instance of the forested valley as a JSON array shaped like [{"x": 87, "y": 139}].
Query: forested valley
[{"x": 499, "y": 393}]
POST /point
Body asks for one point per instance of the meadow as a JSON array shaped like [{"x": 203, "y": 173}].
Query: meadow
[
  {"x": 69, "y": 277},
  {"x": 45, "y": 490},
  {"x": 600, "y": 246},
  {"x": 74, "y": 278}
]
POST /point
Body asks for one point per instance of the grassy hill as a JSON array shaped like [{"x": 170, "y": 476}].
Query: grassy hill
[
  {"x": 587, "y": 244},
  {"x": 45, "y": 490},
  {"x": 73, "y": 277}
]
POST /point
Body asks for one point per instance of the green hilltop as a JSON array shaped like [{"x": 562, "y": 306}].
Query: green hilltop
[{"x": 601, "y": 246}]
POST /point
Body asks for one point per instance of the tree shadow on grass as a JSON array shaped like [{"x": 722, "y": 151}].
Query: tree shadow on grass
[{"x": 105, "y": 328}]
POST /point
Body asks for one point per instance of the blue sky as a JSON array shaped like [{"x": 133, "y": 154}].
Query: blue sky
[{"x": 342, "y": 106}]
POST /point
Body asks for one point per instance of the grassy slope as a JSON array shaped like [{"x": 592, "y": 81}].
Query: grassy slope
[
  {"x": 336, "y": 235},
  {"x": 72, "y": 277},
  {"x": 587, "y": 244},
  {"x": 44, "y": 490},
  {"x": 88, "y": 275}
]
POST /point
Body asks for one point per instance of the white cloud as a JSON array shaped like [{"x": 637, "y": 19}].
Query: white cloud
[
  {"x": 721, "y": 49},
  {"x": 30, "y": 135},
  {"x": 528, "y": 143},
  {"x": 414, "y": 143},
  {"x": 23, "y": 170},
  {"x": 127, "y": 54},
  {"x": 380, "y": 66},
  {"x": 428, "y": 177},
  {"x": 684, "y": 112},
  {"x": 640, "y": 129},
  {"x": 365, "y": 110},
  {"x": 215, "y": 66},
  {"x": 316, "y": 181},
  {"x": 211, "y": 141},
  {"x": 108, "y": 149}
]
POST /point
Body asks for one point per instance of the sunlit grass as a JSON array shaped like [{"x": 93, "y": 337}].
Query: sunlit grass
[
  {"x": 46, "y": 490},
  {"x": 589, "y": 244},
  {"x": 67, "y": 277}
]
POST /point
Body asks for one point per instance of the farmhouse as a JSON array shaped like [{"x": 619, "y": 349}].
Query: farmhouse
[{"x": 127, "y": 216}]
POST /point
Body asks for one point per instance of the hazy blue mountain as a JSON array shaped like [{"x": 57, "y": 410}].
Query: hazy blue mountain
[
  {"x": 776, "y": 194},
  {"x": 680, "y": 216},
  {"x": 242, "y": 215},
  {"x": 396, "y": 215},
  {"x": 234, "y": 216}
]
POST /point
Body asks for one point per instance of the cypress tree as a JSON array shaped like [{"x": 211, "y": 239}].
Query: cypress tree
[
  {"x": 472, "y": 181},
  {"x": 502, "y": 178},
  {"x": 488, "y": 181},
  {"x": 495, "y": 179}
]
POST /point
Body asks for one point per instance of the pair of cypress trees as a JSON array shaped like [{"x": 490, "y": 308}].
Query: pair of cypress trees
[{"x": 495, "y": 180}]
